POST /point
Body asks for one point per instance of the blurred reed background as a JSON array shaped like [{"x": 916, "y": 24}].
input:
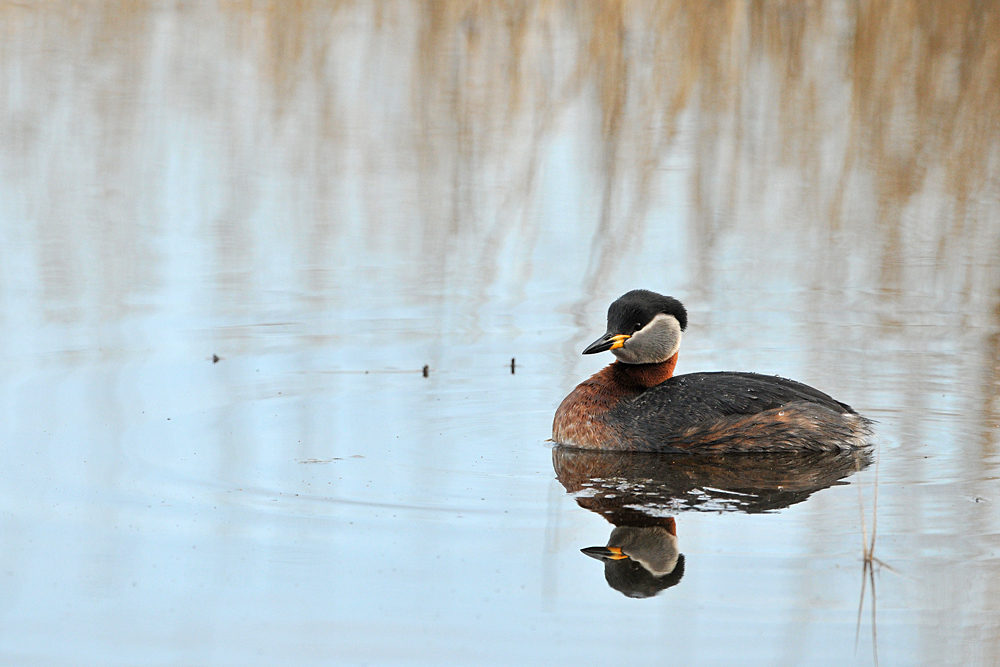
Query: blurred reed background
[{"x": 289, "y": 136}]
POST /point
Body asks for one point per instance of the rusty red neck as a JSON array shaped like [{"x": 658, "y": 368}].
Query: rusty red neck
[{"x": 643, "y": 376}]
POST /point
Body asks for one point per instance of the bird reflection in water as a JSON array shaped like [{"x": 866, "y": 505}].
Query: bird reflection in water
[
  {"x": 640, "y": 561},
  {"x": 640, "y": 494}
]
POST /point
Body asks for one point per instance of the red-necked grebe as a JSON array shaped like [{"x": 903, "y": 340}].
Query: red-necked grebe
[{"x": 637, "y": 404}]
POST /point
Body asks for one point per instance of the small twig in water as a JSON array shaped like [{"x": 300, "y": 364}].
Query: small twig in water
[{"x": 870, "y": 560}]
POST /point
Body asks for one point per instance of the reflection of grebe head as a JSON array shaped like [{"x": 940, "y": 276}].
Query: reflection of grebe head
[
  {"x": 631, "y": 579},
  {"x": 640, "y": 561},
  {"x": 643, "y": 327}
]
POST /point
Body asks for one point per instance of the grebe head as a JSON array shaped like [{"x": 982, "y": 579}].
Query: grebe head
[
  {"x": 640, "y": 561},
  {"x": 643, "y": 328}
]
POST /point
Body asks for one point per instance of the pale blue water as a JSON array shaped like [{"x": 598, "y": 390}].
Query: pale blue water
[{"x": 329, "y": 200}]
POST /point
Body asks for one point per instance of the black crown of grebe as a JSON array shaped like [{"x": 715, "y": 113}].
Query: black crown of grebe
[{"x": 638, "y": 404}]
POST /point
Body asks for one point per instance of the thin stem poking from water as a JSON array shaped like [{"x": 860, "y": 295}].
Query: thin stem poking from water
[
  {"x": 868, "y": 554},
  {"x": 868, "y": 563},
  {"x": 864, "y": 549}
]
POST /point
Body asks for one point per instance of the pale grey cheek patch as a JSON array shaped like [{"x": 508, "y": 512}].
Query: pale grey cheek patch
[
  {"x": 663, "y": 560},
  {"x": 670, "y": 342},
  {"x": 657, "y": 341},
  {"x": 654, "y": 547}
]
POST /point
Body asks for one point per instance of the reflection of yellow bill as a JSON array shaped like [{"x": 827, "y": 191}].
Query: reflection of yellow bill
[
  {"x": 619, "y": 341},
  {"x": 605, "y": 553}
]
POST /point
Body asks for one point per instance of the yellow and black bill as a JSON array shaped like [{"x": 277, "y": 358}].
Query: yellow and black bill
[
  {"x": 605, "y": 553},
  {"x": 608, "y": 341}
]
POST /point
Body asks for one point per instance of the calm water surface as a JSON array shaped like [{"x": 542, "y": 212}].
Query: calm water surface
[{"x": 329, "y": 198}]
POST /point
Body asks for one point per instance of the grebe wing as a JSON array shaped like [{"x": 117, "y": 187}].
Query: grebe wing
[{"x": 684, "y": 400}]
